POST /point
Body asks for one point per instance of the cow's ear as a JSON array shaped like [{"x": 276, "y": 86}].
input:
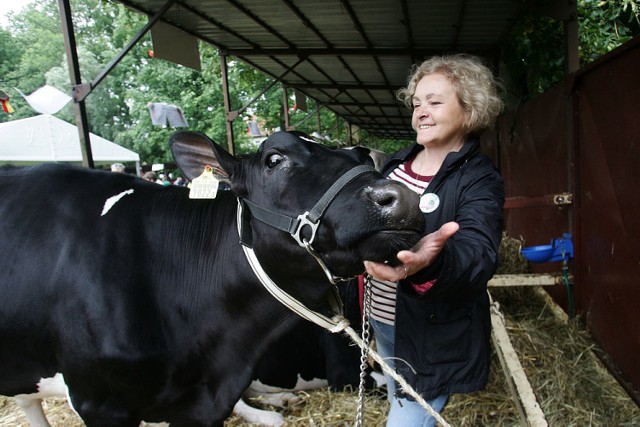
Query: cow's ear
[
  {"x": 360, "y": 154},
  {"x": 192, "y": 151}
]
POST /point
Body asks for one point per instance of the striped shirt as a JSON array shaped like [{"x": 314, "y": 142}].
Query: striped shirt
[{"x": 383, "y": 293}]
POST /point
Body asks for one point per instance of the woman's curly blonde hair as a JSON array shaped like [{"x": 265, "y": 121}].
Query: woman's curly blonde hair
[{"x": 475, "y": 84}]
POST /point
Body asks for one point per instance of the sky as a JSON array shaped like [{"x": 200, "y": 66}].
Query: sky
[{"x": 7, "y": 6}]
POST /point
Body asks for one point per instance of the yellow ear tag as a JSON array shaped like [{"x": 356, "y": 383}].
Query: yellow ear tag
[{"x": 205, "y": 186}]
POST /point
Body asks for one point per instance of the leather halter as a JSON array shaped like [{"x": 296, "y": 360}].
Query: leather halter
[{"x": 294, "y": 226}]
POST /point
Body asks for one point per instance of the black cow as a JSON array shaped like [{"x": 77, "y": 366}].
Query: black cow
[
  {"x": 143, "y": 299},
  {"x": 309, "y": 357}
]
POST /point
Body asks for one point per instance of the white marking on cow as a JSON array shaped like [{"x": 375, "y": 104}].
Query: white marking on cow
[
  {"x": 108, "y": 204},
  {"x": 282, "y": 397},
  {"x": 257, "y": 416},
  {"x": 306, "y": 139},
  {"x": 55, "y": 386},
  {"x": 48, "y": 387},
  {"x": 32, "y": 409},
  {"x": 379, "y": 379},
  {"x": 31, "y": 403},
  {"x": 313, "y": 384},
  {"x": 274, "y": 396}
]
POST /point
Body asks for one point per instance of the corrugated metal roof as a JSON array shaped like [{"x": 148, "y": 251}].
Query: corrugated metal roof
[{"x": 356, "y": 53}]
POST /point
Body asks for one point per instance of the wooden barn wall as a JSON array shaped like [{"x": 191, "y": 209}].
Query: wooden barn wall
[
  {"x": 607, "y": 156},
  {"x": 583, "y": 137}
]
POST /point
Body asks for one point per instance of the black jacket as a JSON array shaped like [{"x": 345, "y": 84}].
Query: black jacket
[{"x": 445, "y": 334}]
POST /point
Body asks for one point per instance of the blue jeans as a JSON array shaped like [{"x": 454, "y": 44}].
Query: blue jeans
[{"x": 403, "y": 412}]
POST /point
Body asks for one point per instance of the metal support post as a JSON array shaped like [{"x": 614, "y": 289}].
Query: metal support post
[
  {"x": 74, "y": 74},
  {"x": 229, "y": 116}
]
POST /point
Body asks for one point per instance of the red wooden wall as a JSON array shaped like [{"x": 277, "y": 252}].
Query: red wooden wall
[{"x": 583, "y": 137}]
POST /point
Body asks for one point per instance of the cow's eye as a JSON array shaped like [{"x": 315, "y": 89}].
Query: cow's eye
[{"x": 274, "y": 160}]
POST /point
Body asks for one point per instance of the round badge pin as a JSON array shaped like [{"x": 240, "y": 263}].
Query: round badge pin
[{"x": 429, "y": 202}]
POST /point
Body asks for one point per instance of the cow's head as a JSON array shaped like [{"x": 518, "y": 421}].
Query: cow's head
[{"x": 370, "y": 218}]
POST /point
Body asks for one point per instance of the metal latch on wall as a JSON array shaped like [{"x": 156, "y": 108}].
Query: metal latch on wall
[
  {"x": 563, "y": 199},
  {"x": 559, "y": 199}
]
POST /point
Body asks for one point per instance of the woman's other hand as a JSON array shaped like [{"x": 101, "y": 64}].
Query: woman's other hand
[{"x": 420, "y": 256}]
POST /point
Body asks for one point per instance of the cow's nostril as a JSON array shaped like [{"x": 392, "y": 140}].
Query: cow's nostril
[{"x": 382, "y": 196}]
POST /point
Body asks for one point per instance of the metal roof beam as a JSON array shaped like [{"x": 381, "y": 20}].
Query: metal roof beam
[
  {"x": 364, "y": 104},
  {"x": 260, "y": 22},
  {"x": 378, "y": 116},
  {"x": 272, "y": 84},
  {"x": 346, "y": 51},
  {"x": 217, "y": 24},
  {"x": 356, "y": 22},
  {"x": 458, "y": 25},
  {"x": 342, "y": 87},
  {"x": 406, "y": 21},
  {"x": 307, "y": 23}
]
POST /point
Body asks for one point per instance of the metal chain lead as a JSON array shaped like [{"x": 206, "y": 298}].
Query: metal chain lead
[{"x": 364, "y": 349}]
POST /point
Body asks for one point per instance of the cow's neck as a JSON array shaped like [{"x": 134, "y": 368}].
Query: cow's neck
[{"x": 332, "y": 320}]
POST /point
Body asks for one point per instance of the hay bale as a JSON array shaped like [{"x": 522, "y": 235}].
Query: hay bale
[
  {"x": 571, "y": 384},
  {"x": 57, "y": 411},
  {"x": 326, "y": 408},
  {"x": 511, "y": 260}
]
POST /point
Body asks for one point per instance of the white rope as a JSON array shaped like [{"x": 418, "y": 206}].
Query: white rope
[
  {"x": 334, "y": 324},
  {"x": 401, "y": 381}
]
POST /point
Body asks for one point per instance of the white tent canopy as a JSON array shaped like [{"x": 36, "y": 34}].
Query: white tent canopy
[{"x": 46, "y": 138}]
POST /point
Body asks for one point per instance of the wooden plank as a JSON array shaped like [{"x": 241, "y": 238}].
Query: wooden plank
[
  {"x": 557, "y": 311},
  {"x": 526, "y": 280},
  {"x": 530, "y": 412}
]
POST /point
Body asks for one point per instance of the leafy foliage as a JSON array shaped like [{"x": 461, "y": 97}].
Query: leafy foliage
[
  {"x": 534, "y": 58},
  {"x": 605, "y": 25}
]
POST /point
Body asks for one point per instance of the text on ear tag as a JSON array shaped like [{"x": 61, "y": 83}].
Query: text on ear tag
[{"x": 205, "y": 186}]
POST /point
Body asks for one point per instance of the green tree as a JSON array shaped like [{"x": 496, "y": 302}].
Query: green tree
[
  {"x": 10, "y": 54},
  {"x": 534, "y": 58},
  {"x": 35, "y": 37},
  {"x": 605, "y": 25}
]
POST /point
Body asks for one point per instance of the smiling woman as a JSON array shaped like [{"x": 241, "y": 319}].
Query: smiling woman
[{"x": 432, "y": 311}]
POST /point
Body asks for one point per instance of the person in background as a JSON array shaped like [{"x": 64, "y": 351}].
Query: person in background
[
  {"x": 149, "y": 176},
  {"x": 430, "y": 314},
  {"x": 117, "y": 167}
]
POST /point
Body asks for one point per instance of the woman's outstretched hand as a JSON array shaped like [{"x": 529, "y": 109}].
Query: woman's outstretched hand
[{"x": 420, "y": 256}]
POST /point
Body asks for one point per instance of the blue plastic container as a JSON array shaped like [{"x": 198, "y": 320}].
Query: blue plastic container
[
  {"x": 560, "y": 249},
  {"x": 537, "y": 253}
]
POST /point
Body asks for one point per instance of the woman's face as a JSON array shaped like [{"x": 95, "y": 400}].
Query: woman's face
[{"x": 438, "y": 117}]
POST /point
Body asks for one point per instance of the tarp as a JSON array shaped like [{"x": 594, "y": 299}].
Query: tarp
[
  {"x": 46, "y": 138},
  {"x": 47, "y": 99}
]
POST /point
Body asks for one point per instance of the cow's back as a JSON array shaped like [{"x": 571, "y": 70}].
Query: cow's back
[{"x": 130, "y": 290}]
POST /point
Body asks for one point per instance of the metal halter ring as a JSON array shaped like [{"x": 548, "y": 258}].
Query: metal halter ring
[{"x": 304, "y": 220}]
